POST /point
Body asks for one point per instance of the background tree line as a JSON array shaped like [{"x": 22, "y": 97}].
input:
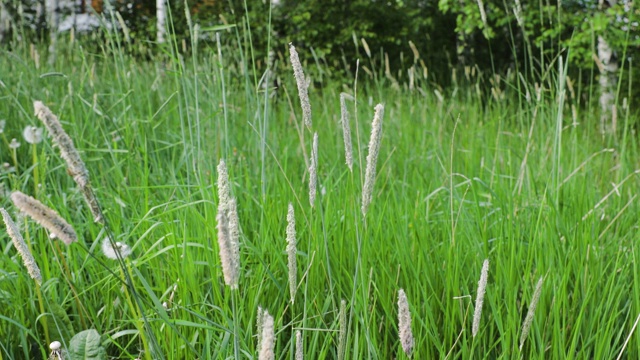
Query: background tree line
[{"x": 433, "y": 36}]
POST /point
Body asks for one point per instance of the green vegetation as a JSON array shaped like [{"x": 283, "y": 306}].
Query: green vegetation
[{"x": 518, "y": 174}]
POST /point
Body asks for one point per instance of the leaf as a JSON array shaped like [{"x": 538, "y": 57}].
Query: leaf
[
  {"x": 86, "y": 345},
  {"x": 58, "y": 323}
]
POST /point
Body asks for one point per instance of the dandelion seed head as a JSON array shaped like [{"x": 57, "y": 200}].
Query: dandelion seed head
[
  {"x": 14, "y": 144},
  {"x": 111, "y": 251},
  {"x": 32, "y": 134}
]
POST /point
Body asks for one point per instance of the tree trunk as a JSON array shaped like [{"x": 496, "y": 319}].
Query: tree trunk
[
  {"x": 607, "y": 81},
  {"x": 161, "y": 16},
  {"x": 52, "y": 24}
]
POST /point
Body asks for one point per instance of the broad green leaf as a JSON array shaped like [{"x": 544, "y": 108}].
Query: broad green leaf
[{"x": 86, "y": 346}]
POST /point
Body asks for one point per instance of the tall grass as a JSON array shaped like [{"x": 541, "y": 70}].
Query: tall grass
[{"x": 508, "y": 176}]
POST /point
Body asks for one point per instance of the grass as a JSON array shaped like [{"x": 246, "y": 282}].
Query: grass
[{"x": 468, "y": 178}]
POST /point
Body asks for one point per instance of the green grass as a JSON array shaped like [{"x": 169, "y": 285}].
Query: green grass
[{"x": 459, "y": 181}]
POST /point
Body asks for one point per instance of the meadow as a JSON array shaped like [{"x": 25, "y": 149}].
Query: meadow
[{"x": 490, "y": 168}]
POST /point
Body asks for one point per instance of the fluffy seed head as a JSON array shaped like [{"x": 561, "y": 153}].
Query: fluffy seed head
[
  {"x": 113, "y": 250},
  {"x": 346, "y": 130},
  {"x": 224, "y": 190},
  {"x": 267, "y": 344},
  {"x": 303, "y": 91},
  {"x": 313, "y": 171},
  {"x": 299, "y": 349},
  {"x": 528, "y": 320},
  {"x": 68, "y": 152},
  {"x": 45, "y": 217},
  {"x": 229, "y": 269},
  {"x": 21, "y": 247},
  {"x": 32, "y": 134},
  {"x": 372, "y": 158},
  {"x": 342, "y": 339},
  {"x": 404, "y": 323},
  {"x": 482, "y": 288},
  {"x": 291, "y": 252}
]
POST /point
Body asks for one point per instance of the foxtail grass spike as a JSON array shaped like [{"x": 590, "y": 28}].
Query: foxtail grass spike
[
  {"x": 267, "y": 343},
  {"x": 299, "y": 348},
  {"x": 346, "y": 131},
  {"x": 404, "y": 323},
  {"x": 224, "y": 190},
  {"x": 303, "y": 91},
  {"x": 372, "y": 158},
  {"x": 342, "y": 338},
  {"x": 528, "y": 320},
  {"x": 291, "y": 252},
  {"x": 45, "y": 217},
  {"x": 229, "y": 270},
  {"x": 482, "y": 289},
  {"x": 313, "y": 171},
  {"x": 68, "y": 152},
  {"x": 21, "y": 247}
]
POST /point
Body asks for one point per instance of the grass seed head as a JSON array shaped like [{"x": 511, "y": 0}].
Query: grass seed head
[
  {"x": 68, "y": 152},
  {"x": 482, "y": 289},
  {"x": 404, "y": 323},
  {"x": 346, "y": 131},
  {"x": 229, "y": 268},
  {"x": 267, "y": 343},
  {"x": 372, "y": 157},
  {"x": 528, "y": 320},
  {"x": 45, "y": 217},
  {"x": 21, "y": 247},
  {"x": 291, "y": 252},
  {"x": 299, "y": 348},
  {"x": 303, "y": 87},
  {"x": 313, "y": 171}
]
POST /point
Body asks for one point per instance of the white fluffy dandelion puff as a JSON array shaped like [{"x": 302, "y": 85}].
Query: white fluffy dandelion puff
[
  {"x": 303, "y": 92},
  {"x": 372, "y": 158},
  {"x": 404, "y": 323},
  {"x": 68, "y": 152},
  {"x": 528, "y": 320},
  {"x": 113, "y": 250},
  {"x": 229, "y": 269},
  {"x": 313, "y": 171},
  {"x": 291, "y": 252},
  {"x": 32, "y": 134},
  {"x": 342, "y": 338},
  {"x": 299, "y": 348},
  {"x": 267, "y": 343},
  {"x": 482, "y": 289},
  {"x": 45, "y": 217},
  {"x": 346, "y": 130},
  {"x": 21, "y": 247}
]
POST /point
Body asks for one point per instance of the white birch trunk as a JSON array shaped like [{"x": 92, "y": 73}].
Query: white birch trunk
[
  {"x": 161, "y": 16},
  {"x": 4, "y": 22},
  {"x": 51, "y": 9},
  {"x": 607, "y": 81}
]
